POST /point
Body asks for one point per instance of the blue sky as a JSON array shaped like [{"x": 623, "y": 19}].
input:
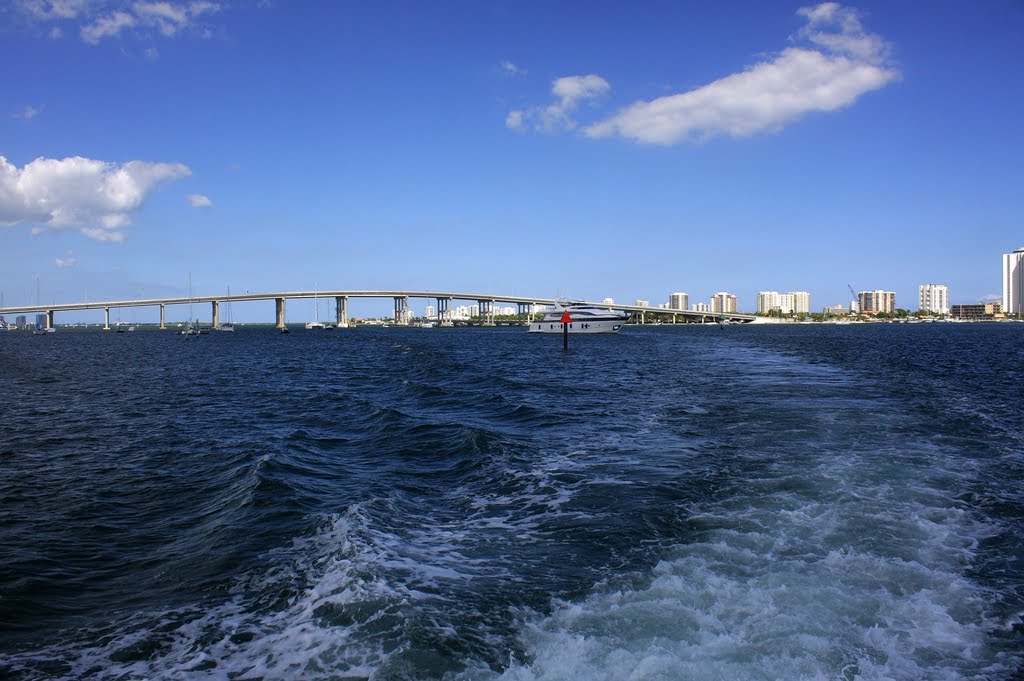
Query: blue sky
[{"x": 625, "y": 150}]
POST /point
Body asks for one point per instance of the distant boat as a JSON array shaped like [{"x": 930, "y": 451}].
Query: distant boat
[
  {"x": 228, "y": 325},
  {"x": 190, "y": 329},
  {"x": 316, "y": 323},
  {"x": 585, "y": 319},
  {"x": 426, "y": 325}
]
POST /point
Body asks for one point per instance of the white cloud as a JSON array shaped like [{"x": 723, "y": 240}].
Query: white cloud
[
  {"x": 100, "y": 19},
  {"x": 28, "y": 113},
  {"x": 199, "y": 201},
  {"x": 570, "y": 91},
  {"x": 844, "y": 63},
  {"x": 95, "y": 197},
  {"x": 514, "y": 120},
  {"x": 511, "y": 69},
  {"x": 68, "y": 260},
  {"x": 106, "y": 26},
  {"x": 53, "y": 9}
]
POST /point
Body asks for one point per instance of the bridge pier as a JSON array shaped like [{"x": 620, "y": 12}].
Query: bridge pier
[
  {"x": 444, "y": 312},
  {"x": 341, "y": 311},
  {"x": 49, "y": 320},
  {"x": 215, "y": 316},
  {"x": 106, "y": 319},
  {"x": 163, "y": 317},
  {"x": 401, "y": 310},
  {"x": 279, "y": 306},
  {"x": 486, "y": 312}
]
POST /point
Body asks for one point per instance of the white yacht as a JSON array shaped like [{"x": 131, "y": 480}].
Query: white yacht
[{"x": 585, "y": 319}]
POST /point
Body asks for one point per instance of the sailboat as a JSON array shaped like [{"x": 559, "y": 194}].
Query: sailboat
[
  {"x": 229, "y": 325},
  {"x": 190, "y": 328},
  {"x": 41, "y": 329},
  {"x": 316, "y": 323}
]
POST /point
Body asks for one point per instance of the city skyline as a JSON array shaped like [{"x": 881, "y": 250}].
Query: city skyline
[{"x": 273, "y": 146}]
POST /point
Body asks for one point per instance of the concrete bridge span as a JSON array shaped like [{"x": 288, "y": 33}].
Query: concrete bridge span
[{"x": 401, "y": 297}]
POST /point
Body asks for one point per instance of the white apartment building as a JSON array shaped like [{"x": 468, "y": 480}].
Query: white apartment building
[
  {"x": 608, "y": 301},
  {"x": 1013, "y": 282},
  {"x": 430, "y": 312},
  {"x": 642, "y": 303},
  {"x": 678, "y": 301},
  {"x": 700, "y": 307},
  {"x": 801, "y": 303},
  {"x": 767, "y": 301},
  {"x": 933, "y": 298},
  {"x": 723, "y": 302},
  {"x": 873, "y": 302},
  {"x": 793, "y": 302}
]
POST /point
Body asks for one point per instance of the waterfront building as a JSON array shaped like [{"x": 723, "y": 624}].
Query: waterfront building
[
  {"x": 1013, "y": 282},
  {"x": 662, "y": 306},
  {"x": 800, "y": 302},
  {"x": 874, "y": 302},
  {"x": 837, "y": 310},
  {"x": 700, "y": 307},
  {"x": 991, "y": 310},
  {"x": 723, "y": 302},
  {"x": 933, "y": 298},
  {"x": 431, "y": 312},
  {"x": 21, "y": 321},
  {"x": 793, "y": 302},
  {"x": 642, "y": 303},
  {"x": 678, "y": 301},
  {"x": 608, "y": 301},
  {"x": 767, "y": 301}
]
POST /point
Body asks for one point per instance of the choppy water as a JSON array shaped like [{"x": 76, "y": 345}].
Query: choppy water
[{"x": 670, "y": 503}]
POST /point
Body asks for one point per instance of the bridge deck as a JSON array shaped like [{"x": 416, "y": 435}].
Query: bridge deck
[{"x": 448, "y": 295}]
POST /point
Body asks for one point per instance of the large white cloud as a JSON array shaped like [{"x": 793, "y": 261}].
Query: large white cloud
[
  {"x": 833, "y": 62},
  {"x": 95, "y": 197},
  {"x": 842, "y": 63}
]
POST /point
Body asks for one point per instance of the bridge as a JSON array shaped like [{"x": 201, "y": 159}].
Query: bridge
[{"x": 444, "y": 299}]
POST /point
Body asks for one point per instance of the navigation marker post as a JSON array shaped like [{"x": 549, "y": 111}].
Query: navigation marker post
[{"x": 566, "y": 320}]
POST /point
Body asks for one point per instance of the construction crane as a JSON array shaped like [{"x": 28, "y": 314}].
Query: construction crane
[{"x": 853, "y": 299}]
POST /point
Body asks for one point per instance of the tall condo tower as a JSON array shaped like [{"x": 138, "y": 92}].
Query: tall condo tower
[
  {"x": 723, "y": 302},
  {"x": 1013, "y": 282},
  {"x": 678, "y": 301},
  {"x": 933, "y": 298}
]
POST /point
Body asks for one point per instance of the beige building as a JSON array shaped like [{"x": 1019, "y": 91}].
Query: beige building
[{"x": 723, "y": 302}]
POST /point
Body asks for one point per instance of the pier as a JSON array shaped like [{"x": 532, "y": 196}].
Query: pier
[{"x": 442, "y": 299}]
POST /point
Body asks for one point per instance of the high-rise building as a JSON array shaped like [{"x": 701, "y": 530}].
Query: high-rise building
[
  {"x": 933, "y": 298},
  {"x": 608, "y": 301},
  {"x": 678, "y": 301},
  {"x": 873, "y": 302},
  {"x": 767, "y": 301},
  {"x": 639, "y": 302},
  {"x": 801, "y": 302},
  {"x": 723, "y": 302},
  {"x": 793, "y": 302},
  {"x": 700, "y": 307},
  {"x": 1013, "y": 282}
]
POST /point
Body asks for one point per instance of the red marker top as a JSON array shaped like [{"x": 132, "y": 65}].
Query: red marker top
[{"x": 566, "y": 318}]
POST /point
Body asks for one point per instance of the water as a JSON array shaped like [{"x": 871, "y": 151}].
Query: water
[{"x": 770, "y": 502}]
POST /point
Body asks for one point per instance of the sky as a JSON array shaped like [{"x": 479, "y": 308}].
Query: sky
[{"x": 551, "y": 149}]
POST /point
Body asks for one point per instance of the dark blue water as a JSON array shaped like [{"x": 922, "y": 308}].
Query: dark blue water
[{"x": 804, "y": 502}]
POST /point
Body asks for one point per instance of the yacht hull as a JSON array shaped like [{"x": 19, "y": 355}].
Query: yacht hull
[{"x": 588, "y": 326}]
